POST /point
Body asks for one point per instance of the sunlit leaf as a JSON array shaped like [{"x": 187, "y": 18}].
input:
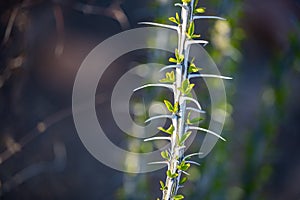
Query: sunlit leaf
[
  {"x": 169, "y": 105},
  {"x": 200, "y": 10},
  {"x": 178, "y": 197},
  {"x": 169, "y": 130},
  {"x": 184, "y": 137},
  {"x": 165, "y": 155},
  {"x": 172, "y": 60},
  {"x": 172, "y": 19},
  {"x": 183, "y": 180}
]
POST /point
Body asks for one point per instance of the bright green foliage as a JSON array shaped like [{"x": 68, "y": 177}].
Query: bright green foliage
[
  {"x": 183, "y": 180},
  {"x": 186, "y": 87},
  {"x": 176, "y": 107},
  {"x": 170, "y": 78},
  {"x": 163, "y": 187},
  {"x": 184, "y": 166},
  {"x": 170, "y": 175},
  {"x": 193, "y": 68},
  {"x": 178, "y": 58},
  {"x": 196, "y": 3},
  {"x": 191, "y": 31},
  {"x": 165, "y": 155},
  {"x": 181, "y": 88},
  {"x": 172, "y": 60},
  {"x": 199, "y": 10},
  {"x": 170, "y": 130},
  {"x": 184, "y": 137},
  {"x": 190, "y": 121},
  {"x": 178, "y": 197},
  {"x": 175, "y": 19},
  {"x": 170, "y": 107},
  {"x": 186, "y": 1}
]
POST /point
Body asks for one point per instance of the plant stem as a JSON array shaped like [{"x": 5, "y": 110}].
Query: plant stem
[
  {"x": 179, "y": 83},
  {"x": 172, "y": 184}
]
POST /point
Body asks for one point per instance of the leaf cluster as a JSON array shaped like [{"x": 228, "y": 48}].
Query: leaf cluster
[
  {"x": 178, "y": 58},
  {"x": 193, "y": 68},
  {"x": 173, "y": 109},
  {"x": 186, "y": 87},
  {"x": 175, "y": 19},
  {"x": 191, "y": 31},
  {"x": 170, "y": 78}
]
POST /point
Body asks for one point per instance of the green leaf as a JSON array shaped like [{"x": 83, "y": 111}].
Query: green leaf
[
  {"x": 173, "y": 60},
  {"x": 170, "y": 78},
  {"x": 165, "y": 155},
  {"x": 162, "y": 184},
  {"x": 163, "y": 187},
  {"x": 177, "y": 54},
  {"x": 170, "y": 175},
  {"x": 185, "y": 166},
  {"x": 186, "y": 87},
  {"x": 184, "y": 137},
  {"x": 190, "y": 121},
  {"x": 183, "y": 180},
  {"x": 177, "y": 17},
  {"x": 193, "y": 68},
  {"x": 188, "y": 118},
  {"x": 196, "y": 120},
  {"x": 189, "y": 89},
  {"x": 178, "y": 197},
  {"x": 176, "y": 107},
  {"x": 185, "y": 84},
  {"x": 179, "y": 57},
  {"x": 195, "y": 36},
  {"x": 186, "y": 1},
  {"x": 191, "y": 29},
  {"x": 169, "y": 130},
  {"x": 200, "y": 10},
  {"x": 196, "y": 3},
  {"x": 169, "y": 105},
  {"x": 172, "y": 19}
]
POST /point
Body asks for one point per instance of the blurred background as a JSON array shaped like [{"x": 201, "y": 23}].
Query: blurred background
[{"x": 43, "y": 44}]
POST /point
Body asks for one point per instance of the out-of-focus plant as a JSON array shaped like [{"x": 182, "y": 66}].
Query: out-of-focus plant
[{"x": 178, "y": 81}]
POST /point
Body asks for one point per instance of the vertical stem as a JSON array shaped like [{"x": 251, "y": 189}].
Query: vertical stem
[{"x": 176, "y": 156}]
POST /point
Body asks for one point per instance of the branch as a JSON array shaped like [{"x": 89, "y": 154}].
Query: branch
[
  {"x": 159, "y": 117},
  {"x": 205, "y": 130},
  {"x": 157, "y": 138},
  {"x": 190, "y": 42},
  {"x": 208, "y": 17},
  {"x": 195, "y": 109},
  {"x": 155, "y": 85},
  {"x": 193, "y": 100},
  {"x": 169, "y": 67},
  {"x": 160, "y": 25},
  {"x": 193, "y": 162},
  {"x": 160, "y": 163},
  {"x": 181, "y": 5},
  {"x": 191, "y": 155},
  {"x": 208, "y": 76}
]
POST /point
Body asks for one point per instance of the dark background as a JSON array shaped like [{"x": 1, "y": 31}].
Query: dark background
[{"x": 42, "y": 46}]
